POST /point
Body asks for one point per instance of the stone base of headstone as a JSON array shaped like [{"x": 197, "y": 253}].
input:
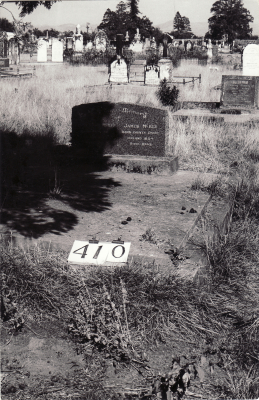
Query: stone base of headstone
[
  {"x": 221, "y": 117},
  {"x": 4, "y": 62},
  {"x": 143, "y": 165}
]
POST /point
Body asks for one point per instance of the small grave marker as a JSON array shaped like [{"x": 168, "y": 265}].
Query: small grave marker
[
  {"x": 97, "y": 253},
  {"x": 238, "y": 91}
]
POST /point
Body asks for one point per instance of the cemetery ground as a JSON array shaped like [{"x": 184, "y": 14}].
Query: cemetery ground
[{"x": 92, "y": 333}]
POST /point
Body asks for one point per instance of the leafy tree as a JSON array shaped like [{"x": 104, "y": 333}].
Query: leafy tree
[
  {"x": 121, "y": 9},
  {"x": 186, "y": 24},
  {"x": 109, "y": 23},
  {"x": 37, "y": 32},
  {"x": 6, "y": 25},
  {"x": 231, "y": 18},
  {"x": 122, "y": 21},
  {"x": 134, "y": 10},
  {"x": 182, "y": 27},
  {"x": 27, "y": 7},
  {"x": 178, "y": 22}
]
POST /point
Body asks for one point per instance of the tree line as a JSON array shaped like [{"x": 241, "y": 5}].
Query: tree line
[{"x": 229, "y": 18}]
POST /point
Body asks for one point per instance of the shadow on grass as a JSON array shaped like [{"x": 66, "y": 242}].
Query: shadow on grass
[{"x": 35, "y": 170}]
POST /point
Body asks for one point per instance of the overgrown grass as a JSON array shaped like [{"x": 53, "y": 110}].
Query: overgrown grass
[
  {"x": 43, "y": 104},
  {"x": 211, "y": 147}
]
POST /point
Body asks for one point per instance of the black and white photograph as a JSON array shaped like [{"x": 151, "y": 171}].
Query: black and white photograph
[{"x": 129, "y": 225}]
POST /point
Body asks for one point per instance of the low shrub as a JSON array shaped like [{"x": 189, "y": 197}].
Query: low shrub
[{"x": 167, "y": 95}]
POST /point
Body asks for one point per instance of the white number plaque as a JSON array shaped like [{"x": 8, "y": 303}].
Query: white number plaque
[{"x": 87, "y": 252}]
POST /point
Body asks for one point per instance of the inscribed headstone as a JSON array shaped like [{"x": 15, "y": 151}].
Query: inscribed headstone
[
  {"x": 57, "y": 51},
  {"x": 152, "y": 75},
  {"x": 251, "y": 60},
  {"x": 166, "y": 67},
  {"x": 119, "y": 71},
  {"x": 121, "y": 129},
  {"x": 238, "y": 91},
  {"x": 101, "y": 41}
]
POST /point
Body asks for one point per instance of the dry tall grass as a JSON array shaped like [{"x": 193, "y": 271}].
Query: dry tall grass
[{"x": 43, "y": 104}]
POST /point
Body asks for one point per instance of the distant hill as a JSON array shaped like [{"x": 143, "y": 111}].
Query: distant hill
[{"x": 198, "y": 28}]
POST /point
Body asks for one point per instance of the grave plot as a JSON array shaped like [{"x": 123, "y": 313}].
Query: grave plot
[
  {"x": 154, "y": 213},
  {"x": 17, "y": 72},
  {"x": 239, "y": 103}
]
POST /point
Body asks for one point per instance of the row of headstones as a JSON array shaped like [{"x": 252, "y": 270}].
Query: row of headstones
[
  {"x": 119, "y": 71},
  {"x": 56, "y": 51}
]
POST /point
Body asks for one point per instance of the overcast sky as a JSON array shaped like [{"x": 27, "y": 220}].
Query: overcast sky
[{"x": 91, "y": 11}]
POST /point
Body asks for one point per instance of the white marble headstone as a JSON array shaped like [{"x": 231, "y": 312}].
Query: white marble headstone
[
  {"x": 152, "y": 75},
  {"x": 119, "y": 71},
  {"x": 166, "y": 67},
  {"x": 57, "y": 51},
  {"x": 78, "y": 43},
  {"x": 42, "y": 51},
  {"x": 251, "y": 60},
  {"x": 209, "y": 51}
]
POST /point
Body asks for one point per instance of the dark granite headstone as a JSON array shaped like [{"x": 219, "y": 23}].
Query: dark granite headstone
[
  {"x": 119, "y": 129},
  {"x": 238, "y": 91}
]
